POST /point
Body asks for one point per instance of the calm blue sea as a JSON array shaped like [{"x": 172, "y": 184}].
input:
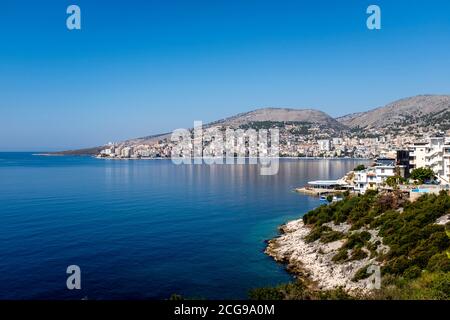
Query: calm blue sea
[{"x": 145, "y": 229}]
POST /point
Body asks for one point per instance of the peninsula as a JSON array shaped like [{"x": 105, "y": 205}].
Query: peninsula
[{"x": 332, "y": 248}]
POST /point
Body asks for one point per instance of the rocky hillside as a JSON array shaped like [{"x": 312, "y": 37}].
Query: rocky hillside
[
  {"x": 419, "y": 111},
  {"x": 425, "y": 110},
  {"x": 265, "y": 118},
  {"x": 281, "y": 115}
]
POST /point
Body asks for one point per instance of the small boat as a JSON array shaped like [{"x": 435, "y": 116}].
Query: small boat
[{"x": 323, "y": 198}]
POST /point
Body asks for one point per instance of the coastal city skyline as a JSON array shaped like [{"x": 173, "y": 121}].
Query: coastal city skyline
[
  {"x": 120, "y": 77},
  {"x": 380, "y": 132}
]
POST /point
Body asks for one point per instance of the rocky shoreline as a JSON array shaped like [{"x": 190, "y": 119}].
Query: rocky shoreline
[{"x": 313, "y": 261}]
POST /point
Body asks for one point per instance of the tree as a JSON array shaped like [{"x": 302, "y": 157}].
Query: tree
[
  {"x": 360, "y": 167},
  {"x": 394, "y": 181},
  {"x": 422, "y": 174}
]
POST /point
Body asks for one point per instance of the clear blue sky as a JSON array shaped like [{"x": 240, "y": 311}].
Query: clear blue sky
[{"x": 145, "y": 67}]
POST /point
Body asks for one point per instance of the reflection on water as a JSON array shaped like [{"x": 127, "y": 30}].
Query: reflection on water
[{"x": 145, "y": 229}]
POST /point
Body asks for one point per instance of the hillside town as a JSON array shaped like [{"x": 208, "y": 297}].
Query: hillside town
[
  {"x": 378, "y": 132},
  {"x": 404, "y": 135},
  {"x": 396, "y": 156},
  {"x": 300, "y": 140}
]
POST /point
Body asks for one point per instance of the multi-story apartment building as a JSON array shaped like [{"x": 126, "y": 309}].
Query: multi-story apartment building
[
  {"x": 374, "y": 177},
  {"x": 365, "y": 180},
  {"x": 433, "y": 154},
  {"x": 417, "y": 155},
  {"x": 324, "y": 145},
  {"x": 446, "y": 163},
  {"x": 126, "y": 152}
]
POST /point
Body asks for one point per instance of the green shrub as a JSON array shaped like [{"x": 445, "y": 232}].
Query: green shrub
[
  {"x": 397, "y": 265},
  {"x": 439, "y": 262},
  {"x": 373, "y": 245},
  {"x": 340, "y": 256},
  {"x": 358, "y": 254},
  {"x": 361, "y": 274},
  {"x": 335, "y": 294},
  {"x": 357, "y": 240},
  {"x": 429, "y": 286},
  {"x": 412, "y": 272},
  {"x": 440, "y": 285},
  {"x": 316, "y": 233},
  {"x": 331, "y": 236},
  {"x": 265, "y": 294}
]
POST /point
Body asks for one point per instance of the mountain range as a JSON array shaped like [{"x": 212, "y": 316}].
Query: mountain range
[
  {"x": 420, "y": 110},
  {"x": 417, "y": 111}
]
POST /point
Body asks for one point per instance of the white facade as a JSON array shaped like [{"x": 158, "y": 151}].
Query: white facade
[
  {"x": 324, "y": 145},
  {"x": 126, "y": 152},
  {"x": 434, "y": 154},
  {"x": 383, "y": 172},
  {"x": 372, "y": 178},
  {"x": 365, "y": 180},
  {"x": 108, "y": 151},
  {"x": 446, "y": 164},
  {"x": 417, "y": 155}
]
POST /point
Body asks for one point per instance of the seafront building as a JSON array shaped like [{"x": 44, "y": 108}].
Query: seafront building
[
  {"x": 432, "y": 151},
  {"x": 374, "y": 177},
  {"x": 433, "y": 154},
  {"x": 324, "y": 145}
]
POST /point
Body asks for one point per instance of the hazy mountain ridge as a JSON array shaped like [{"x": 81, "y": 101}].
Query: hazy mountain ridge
[
  {"x": 420, "y": 110},
  {"x": 417, "y": 111},
  {"x": 270, "y": 114},
  {"x": 280, "y": 115}
]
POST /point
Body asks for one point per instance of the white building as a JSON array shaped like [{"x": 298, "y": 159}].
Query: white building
[
  {"x": 372, "y": 178},
  {"x": 365, "y": 180},
  {"x": 433, "y": 154},
  {"x": 324, "y": 145},
  {"x": 446, "y": 164},
  {"x": 126, "y": 152},
  {"x": 107, "y": 151},
  {"x": 417, "y": 155}
]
